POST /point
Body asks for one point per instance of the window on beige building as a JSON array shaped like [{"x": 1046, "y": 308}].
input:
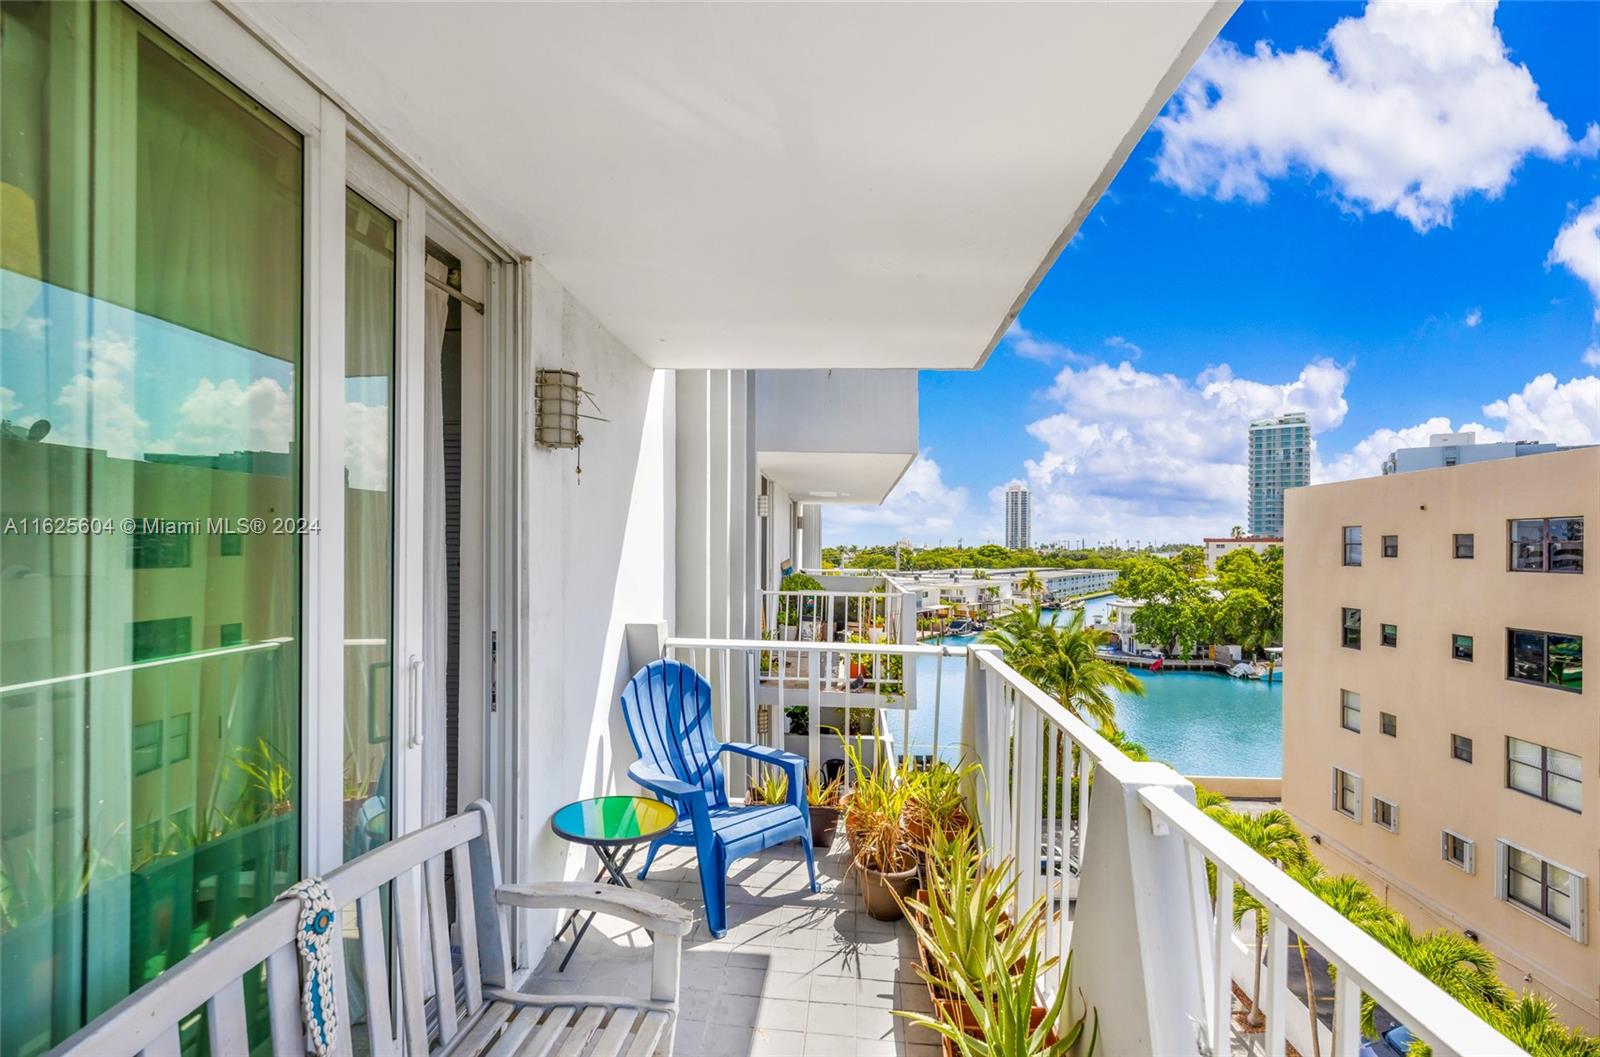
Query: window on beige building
[
  {"x": 1391, "y": 546},
  {"x": 1547, "y": 545},
  {"x": 1389, "y": 635},
  {"x": 1546, "y": 773},
  {"x": 1463, "y": 545},
  {"x": 1545, "y": 658},
  {"x": 1350, "y": 710},
  {"x": 1347, "y": 794},
  {"x": 1461, "y": 647},
  {"x": 1544, "y": 889},
  {"x": 1387, "y": 723},
  {"x": 1350, "y": 628},
  {"x": 1385, "y": 814},
  {"x": 1352, "y": 544},
  {"x": 1458, "y": 851},
  {"x": 1461, "y": 747}
]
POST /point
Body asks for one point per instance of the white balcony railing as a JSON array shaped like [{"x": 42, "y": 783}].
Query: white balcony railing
[{"x": 1119, "y": 850}]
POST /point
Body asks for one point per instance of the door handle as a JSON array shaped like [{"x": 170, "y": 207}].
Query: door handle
[{"x": 417, "y": 668}]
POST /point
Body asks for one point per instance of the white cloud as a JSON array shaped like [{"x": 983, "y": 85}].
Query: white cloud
[
  {"x": 366, "y": 445},
  {"x": 1132, "y": 454},
  {"x": 1030, "y": 346},
  {"x": 33, "y": 327},
  {"x": 921, "y": 506},
  {"x": 97, "y": 404},
  {"x": 1591, "y": 355},
  {"x": 1557, "y": 412},
  {"x": 1577, "y": 248},
  {"x": 1545, "y": 410},
  {"x": 1474, "y": 317},
  {"x": 1408, "y": 109},
  {"x": 8, "y": 401},
  {"x": 218, "y": 418},
  {"x": 1126, "y": 347}
]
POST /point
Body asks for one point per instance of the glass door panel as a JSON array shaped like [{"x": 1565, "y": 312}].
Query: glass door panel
[
  {"x": 369, "y": 524},
  {"x": 150, "y": 490}
]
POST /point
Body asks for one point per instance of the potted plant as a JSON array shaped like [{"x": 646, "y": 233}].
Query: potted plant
[
  {"x": 824, "y": 800},
  {"x": 938, "y": 803},
  {"x": 770, "y": 786},
  {"x": 1001, "y": 1018},
  {"x": 873, "y": 822},
  {"x": 791, "y": 607},
  {"x": 963, "y": 925}
]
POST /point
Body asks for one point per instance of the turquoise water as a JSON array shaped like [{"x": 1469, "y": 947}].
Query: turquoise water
[{"x": 1200, "y": 723}]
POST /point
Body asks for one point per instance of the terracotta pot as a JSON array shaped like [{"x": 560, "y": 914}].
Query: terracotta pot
[
  {"x": 878, "y": 889},
  {"x": 824, "y": 824}
]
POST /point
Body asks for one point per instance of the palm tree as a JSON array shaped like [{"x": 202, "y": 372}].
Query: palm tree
[
  {"x": 1356, "y": 902},
  {"x": 1272, "y": 835},
  {"x": 1069, "y": 666},
  {"x": 1532, "y": 1024},
  {"x": 1031, "y": 585},
  {"x": 1461, "y": 968}
]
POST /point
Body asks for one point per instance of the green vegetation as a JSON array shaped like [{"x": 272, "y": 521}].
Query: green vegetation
[
  {"x": 1062, "y": 660},
  {"x": 989, "y": 556},
  {"x": 1184, "y": 612},
  {"x": 1464, "y": 969}
]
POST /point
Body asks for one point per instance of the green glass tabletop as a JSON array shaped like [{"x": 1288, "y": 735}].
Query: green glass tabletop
[{"x": 613, "y": 820}]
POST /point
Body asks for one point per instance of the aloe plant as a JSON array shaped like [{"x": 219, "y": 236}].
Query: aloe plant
[
  {"x": 964, "y": 922},
  {"x": 1002, "y": 1020},
  {"x": 772, "y": 787}
]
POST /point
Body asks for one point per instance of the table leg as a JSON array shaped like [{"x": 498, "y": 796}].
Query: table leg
[{"x": 618, "y": 871}]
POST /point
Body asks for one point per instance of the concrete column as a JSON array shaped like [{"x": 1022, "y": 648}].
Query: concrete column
[
  {"x": 811, "y": 536},
  {"x": 715, "y": 523},
  {"x": 1135, "y": 934}
]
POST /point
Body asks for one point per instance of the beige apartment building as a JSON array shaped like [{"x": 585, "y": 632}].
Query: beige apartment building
[{"x": 1438, "y": 737}]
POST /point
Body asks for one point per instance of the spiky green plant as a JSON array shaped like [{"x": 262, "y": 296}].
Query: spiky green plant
[
  {"x": 771, "y": 786},
  {"x": 1001, "y": 1019},
  {"x": 938, "y": 799},
  {"x": 964, "y": 921}
]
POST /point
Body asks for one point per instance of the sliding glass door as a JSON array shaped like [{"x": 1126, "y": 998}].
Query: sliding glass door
[{"x": 150, "y": 499}]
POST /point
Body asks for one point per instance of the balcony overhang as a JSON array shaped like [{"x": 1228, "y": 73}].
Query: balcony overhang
[
  {"x": 835, "y": 436},
  {"x": 761, "y": 185}
]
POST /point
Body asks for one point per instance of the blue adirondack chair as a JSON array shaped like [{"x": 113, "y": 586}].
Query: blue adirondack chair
[{"x": 668, "y": 708}]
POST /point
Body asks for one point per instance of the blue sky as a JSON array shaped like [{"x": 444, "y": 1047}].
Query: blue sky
[{"x": 1389, "y": 218}]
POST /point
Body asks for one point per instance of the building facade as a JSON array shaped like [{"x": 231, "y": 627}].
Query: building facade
[
  {"x": 1019, "y": 517},
  {"x": 1439, "y": 740},
  {"x": 1217, "y": 546},
  {"x": 1279, "y": 459}
]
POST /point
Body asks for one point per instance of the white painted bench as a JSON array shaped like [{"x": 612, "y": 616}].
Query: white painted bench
[{"x": 484, "y": 1017}]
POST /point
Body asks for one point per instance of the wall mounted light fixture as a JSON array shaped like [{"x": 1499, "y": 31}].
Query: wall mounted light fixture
[{"x": 558, "y": 402}]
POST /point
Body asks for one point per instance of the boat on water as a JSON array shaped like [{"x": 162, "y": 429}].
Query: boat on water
[{"x": 1247, "y": 670}]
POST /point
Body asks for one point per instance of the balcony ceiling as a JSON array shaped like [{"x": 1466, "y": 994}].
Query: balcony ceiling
[{"x": 820, "y": 185}]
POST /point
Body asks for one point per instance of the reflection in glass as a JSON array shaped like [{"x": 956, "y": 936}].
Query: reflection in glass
[
  {"x": 369, "y": 514},
  {"x": 150, "y": 330}
]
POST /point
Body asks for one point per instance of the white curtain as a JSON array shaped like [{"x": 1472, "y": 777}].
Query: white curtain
[{"x": 435, "y": 585}]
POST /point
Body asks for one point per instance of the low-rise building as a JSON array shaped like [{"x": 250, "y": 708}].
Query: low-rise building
[
  {"x": 1454, "y": 449},
  {"x": 1438, "y": 737},
  {"x": 1217, "y": 546}
]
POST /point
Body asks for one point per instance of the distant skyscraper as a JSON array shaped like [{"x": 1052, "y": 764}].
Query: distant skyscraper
[
  {"x": 1019, "y": 517},
  {"x": 1280, "y": 459}
]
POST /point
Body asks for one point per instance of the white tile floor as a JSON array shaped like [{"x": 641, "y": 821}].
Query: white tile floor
[{"x": 799, "y": 974}]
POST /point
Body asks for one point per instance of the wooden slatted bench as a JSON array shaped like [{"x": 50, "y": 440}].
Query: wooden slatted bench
[{"x": 480, "y": 1016}]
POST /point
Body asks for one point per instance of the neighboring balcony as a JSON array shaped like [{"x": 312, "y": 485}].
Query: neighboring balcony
[
  {"x": 835, "y": 436},
  {"x": 832, "y": 683}
]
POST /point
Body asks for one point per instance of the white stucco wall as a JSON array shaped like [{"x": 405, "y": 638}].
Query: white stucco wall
[{"x": 598, "y": 555}]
